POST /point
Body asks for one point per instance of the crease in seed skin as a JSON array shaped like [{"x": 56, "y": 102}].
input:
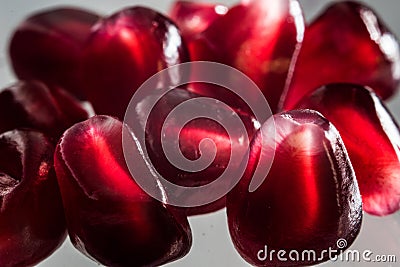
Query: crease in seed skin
[
  {"x": 155, "y": 175},
  {"x": 334, "y": 173},
  {"x": 73, "y": 174}
]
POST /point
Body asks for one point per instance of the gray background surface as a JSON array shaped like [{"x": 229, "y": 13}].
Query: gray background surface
[{"x": 211, "y": 244}]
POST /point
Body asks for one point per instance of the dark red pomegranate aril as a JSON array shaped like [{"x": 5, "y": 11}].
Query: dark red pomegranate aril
[
  {"x": 372, "y": 139},
  {"x": 32, "y": 223},
  {"x": 259, "y": 38},
  {"x": 125, "y": 50},
  {"x": 307, "y": 201},
  {"x": 109, "y": 217},
  {"x": 73, "y": 109},
  {"x": 190, "y": 136},
  {"x": 194, "y": 17},
  {"x": 48, "y": 46},
  {"x": 348, "y": 43},
  {"x": 30, "y": 104}
]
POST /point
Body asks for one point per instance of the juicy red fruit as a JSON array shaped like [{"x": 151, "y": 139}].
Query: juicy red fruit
[
  {"x": 307, "y": 201},
  {"x": 189, "y": 137},
  {"x": 194, "y": 17},
  {"x": 347, "y": 43},
  {"x": 32, "y": 223},
  {"x": 123, "y": 51},
  {"x": 109, "y": 217},
  {"x": 372, "y": 139},
  {"x": 259, "y": 38},
  {"x": 48, "y": 46},
  {"x": 33, "y": 105}
]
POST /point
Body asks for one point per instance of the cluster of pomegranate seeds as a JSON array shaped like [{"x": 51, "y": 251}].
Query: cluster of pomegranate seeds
[
  {"x": 48, "y": 47},
  {"x": 347, "y": 43},
  {"x": 31, "y": 216},
  {"x": 123, "y": 51},
  {"x": 367, "y": 128},
  {"x": 109, "y": 217},
  {"x": 307, "y": 199}
]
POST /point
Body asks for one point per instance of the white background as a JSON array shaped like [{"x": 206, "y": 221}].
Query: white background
[{"x": 211, "y": 243}]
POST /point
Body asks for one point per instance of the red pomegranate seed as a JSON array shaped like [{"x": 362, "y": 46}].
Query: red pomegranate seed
[
  {"x": 123, "y": 51},
  {"x": 48, "y": 45},
  {"x": 257, "y": 37},
  {"x": 31, "y": 217},
  {"x": 348, "y": 43},
  {"x": 194, "y": 17},
  {"x": 109, "y": 217},
  {"x": 74, "y": 110},
  {"x": 307, "y": 201},
  {"x": 33, "y": 105},
  {"x": 190, "y": 137},
  {"x": 372, "y": 139}
]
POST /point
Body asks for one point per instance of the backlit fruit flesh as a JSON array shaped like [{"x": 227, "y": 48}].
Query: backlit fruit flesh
[
  {"x": 348, "y": 43},
  {"x": 109, "y": 217},
  {"x": 126, "y": 49},
  {"x": 259, "y": 38},
  {"x": 307, "y": 201},
  {"x": 48, "y": 46},
  {"x": 188, "y": 138},
  {"x": 194, "y": 17},
  {"x": 372, "y": 139},
  {"x": 31, "y": 104},
  {"x": 32, "y": 223}
]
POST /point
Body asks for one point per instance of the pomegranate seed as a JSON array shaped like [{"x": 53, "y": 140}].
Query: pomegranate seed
[
  {"x": 194, "y": 17},
  {"x": 257, "y": 37},
  {"x": 109, "y": 217},
  {"x": 367, "y": 128},
  {"x": 74, "y": 110},
  {"x": 123, "y": 51},
  {"x": 31, "y": 218},
  {"x": 348, "y": 43},
  {"x": 33, "y": 105},
  {"x": 190, "y": 137},
  {"x": 48, "y": 47},
  {"x": 308, "y": 200}
]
